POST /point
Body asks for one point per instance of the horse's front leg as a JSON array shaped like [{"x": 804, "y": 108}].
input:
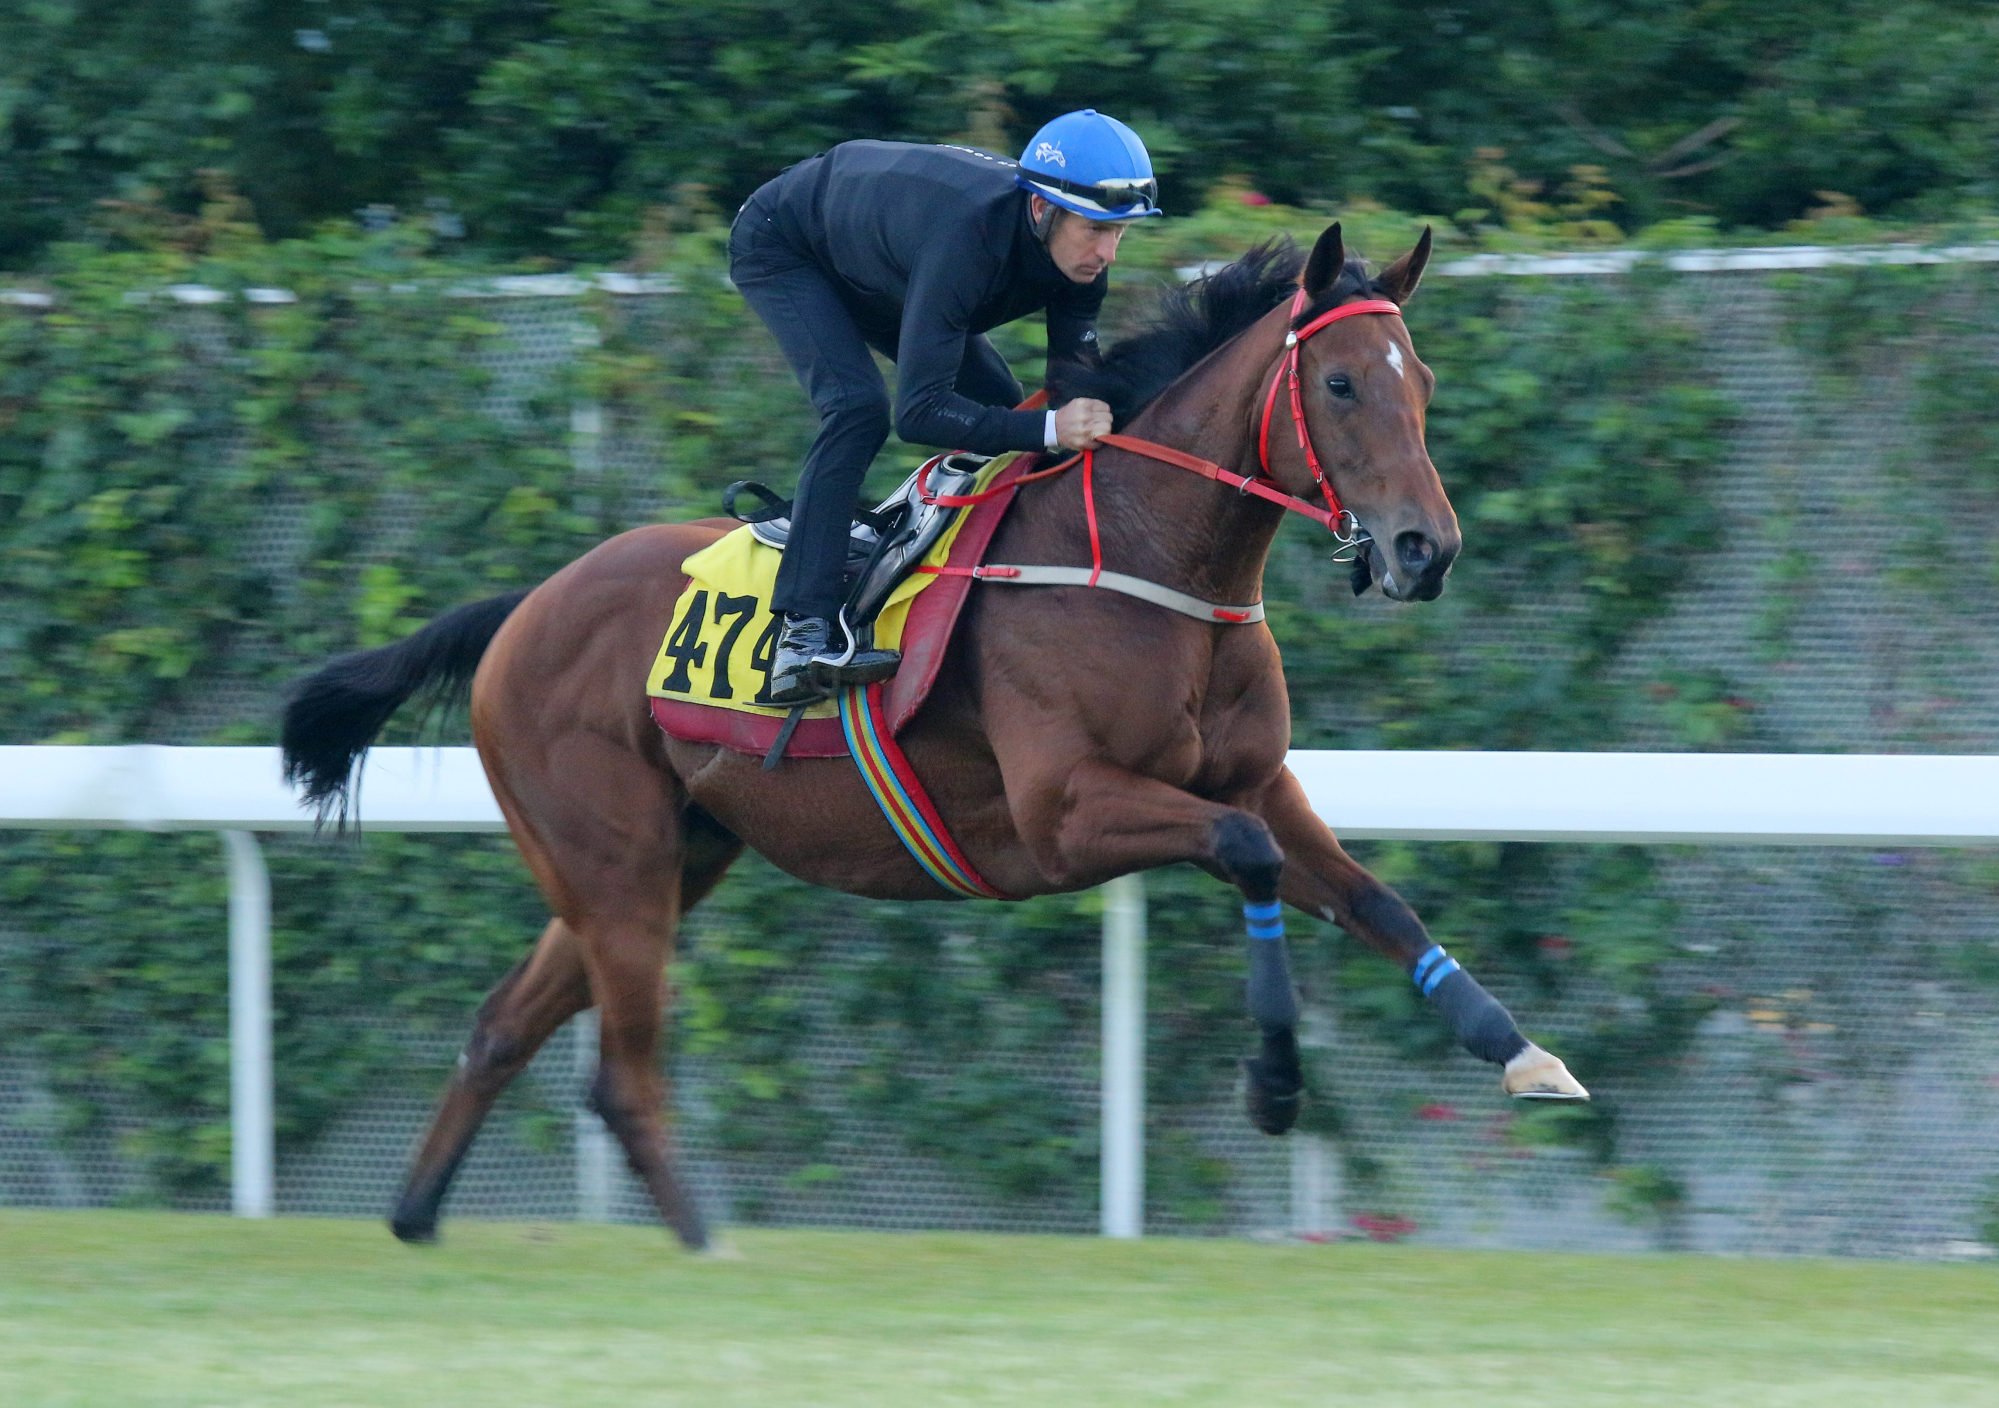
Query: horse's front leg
[
  {"x": 1323, "y": 879},
  {"x": 1097, "y": 821}
]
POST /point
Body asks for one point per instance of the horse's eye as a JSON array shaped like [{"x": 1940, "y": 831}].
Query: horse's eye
[{"x": 1341, "y": 386}]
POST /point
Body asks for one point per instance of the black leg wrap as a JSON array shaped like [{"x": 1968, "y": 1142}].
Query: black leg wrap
[
  {"x": 1273, "y": 1081},
  {"x": 1482, "y": 1026},
  {"x": 1274, "y": 1085},
  {"x": 1272, "y": 1003}
]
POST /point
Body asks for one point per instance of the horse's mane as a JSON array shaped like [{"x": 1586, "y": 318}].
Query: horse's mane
[{"x": 1192, "y": 320}]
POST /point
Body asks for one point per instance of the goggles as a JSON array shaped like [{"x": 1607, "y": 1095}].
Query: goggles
[{"x": 1117, "y": 196}]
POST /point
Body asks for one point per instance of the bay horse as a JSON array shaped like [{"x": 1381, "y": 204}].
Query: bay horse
[{"x": 1073, "y": 735}]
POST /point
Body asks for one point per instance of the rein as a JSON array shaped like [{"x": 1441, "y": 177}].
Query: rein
[
  {"x": 1152, "y": 450},
  {"x": 1334, "y": 518}
]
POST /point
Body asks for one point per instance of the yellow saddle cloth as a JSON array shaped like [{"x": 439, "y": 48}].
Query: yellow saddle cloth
[
  {"x": 722, "y": 641},
  {"x": 719, "y": 649}
]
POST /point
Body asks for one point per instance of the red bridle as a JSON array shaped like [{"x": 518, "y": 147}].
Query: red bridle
[
  {"x": 1339, "y": 518},
  {"x": 1344, "y": 527}
]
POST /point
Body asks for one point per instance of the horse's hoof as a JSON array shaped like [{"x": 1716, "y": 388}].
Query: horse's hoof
[
  {"x": 719, "y": 1251},
  {"x": 1272, "y": 1105},
  {"x": 413, "y": 1231},
  {"x": 1535, "y": 1075}
]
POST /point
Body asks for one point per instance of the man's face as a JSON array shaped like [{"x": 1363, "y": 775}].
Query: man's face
[{"x": 1081, "y": 248}]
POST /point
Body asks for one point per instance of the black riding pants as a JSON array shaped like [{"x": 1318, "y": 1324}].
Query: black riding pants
[{"x": 827, "y": 347}]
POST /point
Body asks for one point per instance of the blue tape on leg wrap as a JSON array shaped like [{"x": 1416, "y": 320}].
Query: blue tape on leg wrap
[
  {"x": 1265, "y": 919},
  {"x": 1432, "y": 968},
  {"x": 1424, "y": 964}
]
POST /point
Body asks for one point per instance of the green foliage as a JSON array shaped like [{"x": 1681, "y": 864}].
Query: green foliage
[
  {"x": 116, "y": 978},
  {"x": 1917, "y": 338},
  {"x": 141, "y": 445},
  {"x": 539, "y": 132},
  {"x": 1574, "y": 427},
  {"x": 199, "y": 503},
  {"x": 1645, "y": 1193}
]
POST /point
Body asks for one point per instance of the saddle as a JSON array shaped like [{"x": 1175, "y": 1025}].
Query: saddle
[{"x": 883, "y": 543}]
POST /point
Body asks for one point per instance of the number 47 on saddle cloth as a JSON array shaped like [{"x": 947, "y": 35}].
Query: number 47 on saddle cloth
[{"x": 714, "y": 664}]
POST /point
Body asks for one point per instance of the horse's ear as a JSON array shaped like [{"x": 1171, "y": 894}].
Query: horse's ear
[
  {"x": 1329, "y": 257},
  {"x": 1398, "y": 281}
]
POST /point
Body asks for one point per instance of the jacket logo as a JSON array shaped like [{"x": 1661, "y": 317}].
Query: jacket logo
[{"x": 1049, "y": 152}]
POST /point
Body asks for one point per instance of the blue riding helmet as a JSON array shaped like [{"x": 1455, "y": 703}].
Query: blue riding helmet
[{"x": 1093, "y": 165}]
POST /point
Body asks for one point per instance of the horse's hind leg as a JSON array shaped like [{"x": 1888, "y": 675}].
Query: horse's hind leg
[
  {"x": 547, "y": 988},
  {"x": 618, "y": 850},
  {"x": 626, "y": 962},
  {"x": 628, "y": 930}
]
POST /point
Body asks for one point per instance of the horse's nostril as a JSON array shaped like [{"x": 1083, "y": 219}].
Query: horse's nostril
[{"x": 1415, "y": 551}]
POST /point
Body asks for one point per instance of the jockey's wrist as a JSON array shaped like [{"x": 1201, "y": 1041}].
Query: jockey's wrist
[{"x": 1048, "y": 440}]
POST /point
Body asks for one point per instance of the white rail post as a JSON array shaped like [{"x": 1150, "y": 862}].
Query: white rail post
[
  {"x": 595, "y": 1154},
  {"x": 252, "y": 1126},
  {"x": 1123, "y": 1139}
]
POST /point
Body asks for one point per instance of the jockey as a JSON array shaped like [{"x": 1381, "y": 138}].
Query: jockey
[{"x": 917, "y": 251}]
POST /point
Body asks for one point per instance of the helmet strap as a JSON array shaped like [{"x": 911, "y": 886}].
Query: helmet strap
[{"x": 1045, "y": 225}]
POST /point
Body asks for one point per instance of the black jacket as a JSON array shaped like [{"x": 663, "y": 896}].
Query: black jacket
[{"x": 926, "y": 246}]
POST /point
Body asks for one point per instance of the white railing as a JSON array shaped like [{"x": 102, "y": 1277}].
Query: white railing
[
  {"x": 1681, "y": 798},
  {"x": 1744, "y": 258},
  {"x": 237, "y": 792}
]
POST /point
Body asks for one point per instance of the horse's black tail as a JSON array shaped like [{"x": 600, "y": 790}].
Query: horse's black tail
[{"x": 333, "y": 714}]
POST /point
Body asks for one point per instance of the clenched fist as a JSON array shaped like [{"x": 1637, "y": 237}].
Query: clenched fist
[{"x": 1081, "y": 423}]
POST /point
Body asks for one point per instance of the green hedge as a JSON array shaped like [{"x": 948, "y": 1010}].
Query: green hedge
[
  {"x": 141, "y": 445},
  {"x": 534, "y": 131}
]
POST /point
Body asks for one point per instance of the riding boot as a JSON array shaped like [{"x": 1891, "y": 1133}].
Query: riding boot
[{"x": 808, "y": 666}]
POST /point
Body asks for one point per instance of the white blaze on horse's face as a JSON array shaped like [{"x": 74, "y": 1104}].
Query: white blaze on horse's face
[
  {"x": 1369, "y": 430},
  {"x": 1412, "y": 533}
]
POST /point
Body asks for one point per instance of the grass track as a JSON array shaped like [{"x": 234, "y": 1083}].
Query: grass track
[{"x": 119, "y": 1310}]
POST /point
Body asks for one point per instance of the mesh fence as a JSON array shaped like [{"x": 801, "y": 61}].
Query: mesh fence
[{"x": 1842, "y": 1095}]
